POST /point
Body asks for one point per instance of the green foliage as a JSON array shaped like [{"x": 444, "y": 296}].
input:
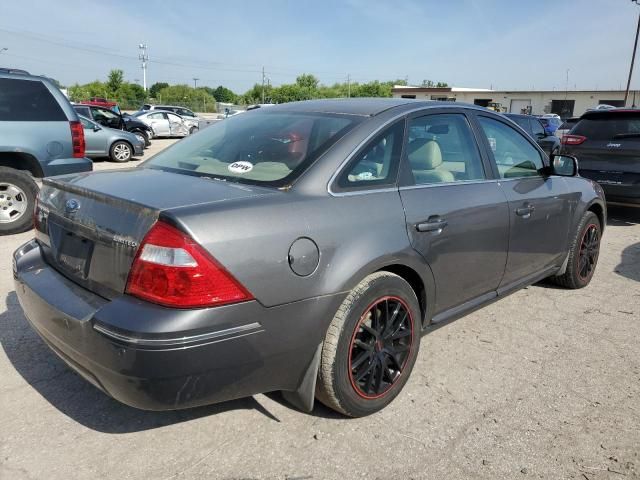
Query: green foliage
[
  {"x": 156, "y": 87},
  {"x": 197, "y": 99},
  {"x": 432, "y": 84},
  {"x": 306, "y": 80},
  {"x": 114, "y": 82},
  {"x": 223, "y": 94}
]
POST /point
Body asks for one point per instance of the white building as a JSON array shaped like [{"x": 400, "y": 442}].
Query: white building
[{"x": 566, "y": 104}]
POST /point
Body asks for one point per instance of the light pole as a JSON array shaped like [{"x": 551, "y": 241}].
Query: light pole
[
  {"x": 633, "y": 57},
  {"x": 144, "y": 58}
]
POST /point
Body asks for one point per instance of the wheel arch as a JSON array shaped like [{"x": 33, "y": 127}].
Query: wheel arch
[
  {"x": 415, "y": 281},
  {"x": 21, "y": 161},
  {"x": 600, "y": 212}
]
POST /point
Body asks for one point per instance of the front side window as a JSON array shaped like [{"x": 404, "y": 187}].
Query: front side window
[
  {"x": 258, "y": 148},
  {"x": 441, "y": 149},
  {"x": 377, "y": 164},
  {"x": 513, "y": 153}
]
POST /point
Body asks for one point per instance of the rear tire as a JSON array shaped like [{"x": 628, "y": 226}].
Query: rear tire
[
  {"x": 18, "y": 192},
  {"x": 120, "y": 152},
  {"x": 583, "y": 254},
  {"x": 193, "y": 130},
  {"x": 370, "y": 347}
]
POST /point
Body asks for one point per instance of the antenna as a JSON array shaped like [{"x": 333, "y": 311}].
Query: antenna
[{"x": 144, "y": 58}]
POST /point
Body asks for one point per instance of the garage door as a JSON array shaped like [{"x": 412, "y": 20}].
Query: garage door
[{"x": 520, "y": 106}]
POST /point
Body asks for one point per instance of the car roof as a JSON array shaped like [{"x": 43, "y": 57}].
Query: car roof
[
  {"x": 366, "y": 107},
  {"x": 518, "y": 115},
  {"x": 612, "y": 112}
]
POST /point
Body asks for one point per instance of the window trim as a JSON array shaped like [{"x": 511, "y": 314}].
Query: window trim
[
  {"x": 406, "y": 175},
  {"x": 489, "y": 152}
]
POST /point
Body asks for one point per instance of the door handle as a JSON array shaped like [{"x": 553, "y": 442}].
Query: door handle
[
  {"x": 433, "y": 224},
  {"x": 525, "y": 211}
]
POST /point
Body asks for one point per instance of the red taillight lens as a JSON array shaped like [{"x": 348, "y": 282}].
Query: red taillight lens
[
  {"x": 573, "y": 139},
  {"x": 171, "y": 269},
  {"x": 77, "y": 139}
]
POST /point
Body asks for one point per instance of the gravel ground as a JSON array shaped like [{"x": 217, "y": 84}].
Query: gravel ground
[{"x": 543, "y": 384}]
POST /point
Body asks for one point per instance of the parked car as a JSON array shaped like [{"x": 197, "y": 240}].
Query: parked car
[
  {"x": 40, "y": 135},
  {"x": 111, "y": 119},
  {"x": 219, "y": 268},
  {"x": 166, "y": 124},
  {"x": 191, "y": 119},
  {"x": 607, "y": 145},
  {"x": 533, "y": 126},
  {"x": 566, "y": 126},
  {"x": 550, "y": 124},
  {"x": 118, "y": 145},
  {"x": 102, "y": 102}
]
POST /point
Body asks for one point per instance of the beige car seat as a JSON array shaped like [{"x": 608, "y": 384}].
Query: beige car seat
[{"x": 426, "y": 163}]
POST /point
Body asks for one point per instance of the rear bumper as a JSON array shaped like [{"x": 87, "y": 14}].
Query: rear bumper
[
  {"x": 63, "y": 166},
  {"x": 156, "y": 358},
  {"x": 626, "y": 192}
]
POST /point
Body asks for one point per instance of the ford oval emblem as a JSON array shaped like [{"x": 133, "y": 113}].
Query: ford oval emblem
[{"x": 72, "y": 205}]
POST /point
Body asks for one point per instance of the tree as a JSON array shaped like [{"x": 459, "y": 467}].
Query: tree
[
  {"x": 306, "y": 80},
  {"x": 156, "y": 87},
  {"x": 223, "y": 94},
  {"x": 432, "y": 84},
  {"x": 116, "y": 77}
]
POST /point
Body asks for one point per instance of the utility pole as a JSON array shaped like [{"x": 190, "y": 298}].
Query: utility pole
[
  {"x": 144, "y": 58},
  {"x": 348, "y": 85},
  {"x": 263, "y": 78},
  {"x": 633, "y": 57},
  {"x": 195, "y": 82}
]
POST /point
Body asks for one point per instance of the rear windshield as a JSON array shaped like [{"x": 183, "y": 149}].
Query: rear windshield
[
  {"x": 256, "y": 147},
  {"x": 28, "y": 101},
  {"x": 568, "y": 124},
  {"x": 609, "y": 127}
]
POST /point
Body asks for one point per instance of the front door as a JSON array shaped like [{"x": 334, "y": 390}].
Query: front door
[
  {"x": 539, "y": 205},
  {"x": 457, "y": 217},
  {"x": 94, "y": 140},
  {"x": 159, "y": 123}
]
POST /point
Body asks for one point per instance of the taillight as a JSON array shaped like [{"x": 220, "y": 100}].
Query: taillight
[
  {"x": 573, "y": 139},
  {"x": 77, "y": 139},
  {"x": 171, "y": 269}
]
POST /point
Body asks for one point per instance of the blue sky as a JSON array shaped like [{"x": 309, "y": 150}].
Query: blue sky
[{"x": 514, "y": 44}]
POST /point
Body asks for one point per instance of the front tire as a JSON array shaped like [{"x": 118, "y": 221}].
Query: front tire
[
  {"x": 193, "y": 130},
  {"x": 120, "y": 152},
  {"x": 370, "y": 347},
  {"x": 18, "y": 192},
  {"x": 583, "y": 254},
  {"x": 143, "y": 137}
]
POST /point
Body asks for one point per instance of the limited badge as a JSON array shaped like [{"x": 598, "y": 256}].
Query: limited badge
[{"x": 240, "y": 167}]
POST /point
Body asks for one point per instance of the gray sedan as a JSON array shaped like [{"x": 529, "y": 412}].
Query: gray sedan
[
  {"x": 304, "y": 247},
  {"x": 118, "y": 145}
]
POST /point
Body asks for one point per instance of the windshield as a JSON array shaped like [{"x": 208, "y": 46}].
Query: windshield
[{"x": 258, "y": 148}]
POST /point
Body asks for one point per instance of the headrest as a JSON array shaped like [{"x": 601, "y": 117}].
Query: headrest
[{"x": 425, "y": 155}]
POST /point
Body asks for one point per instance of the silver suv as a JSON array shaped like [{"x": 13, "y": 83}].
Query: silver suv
[{"x": 40, "y": 136}]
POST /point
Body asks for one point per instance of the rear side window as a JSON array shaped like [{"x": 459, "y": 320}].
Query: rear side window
[
  {"x": 441, "y": 149},
  {"x": 536, "y": 128},
  {"x": 609, "y": 128},
  {"x": 28, "y": 101}
]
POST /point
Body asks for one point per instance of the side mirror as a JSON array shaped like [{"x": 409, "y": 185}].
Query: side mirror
[
  {"x": 564, "y": 165},
  {"x": 542, "y": 135},
  {"x": 96, "y": 128}
]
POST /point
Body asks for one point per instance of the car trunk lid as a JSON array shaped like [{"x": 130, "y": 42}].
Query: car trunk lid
[{"x": 90, "y": 226}]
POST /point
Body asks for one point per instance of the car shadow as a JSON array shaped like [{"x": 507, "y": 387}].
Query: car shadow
[
  {"x": 78, "y": 399},
  {"x": 629, "y": 266},
  {"x": 623, "y": 216}
]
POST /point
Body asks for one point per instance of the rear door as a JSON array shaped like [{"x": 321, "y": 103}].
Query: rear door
[
  {"x": 539, "y": 205},
  {"x": 159, "y": 123},
  {"x": 610, "y": 152},
  {"x": 457, "y": 215}
]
